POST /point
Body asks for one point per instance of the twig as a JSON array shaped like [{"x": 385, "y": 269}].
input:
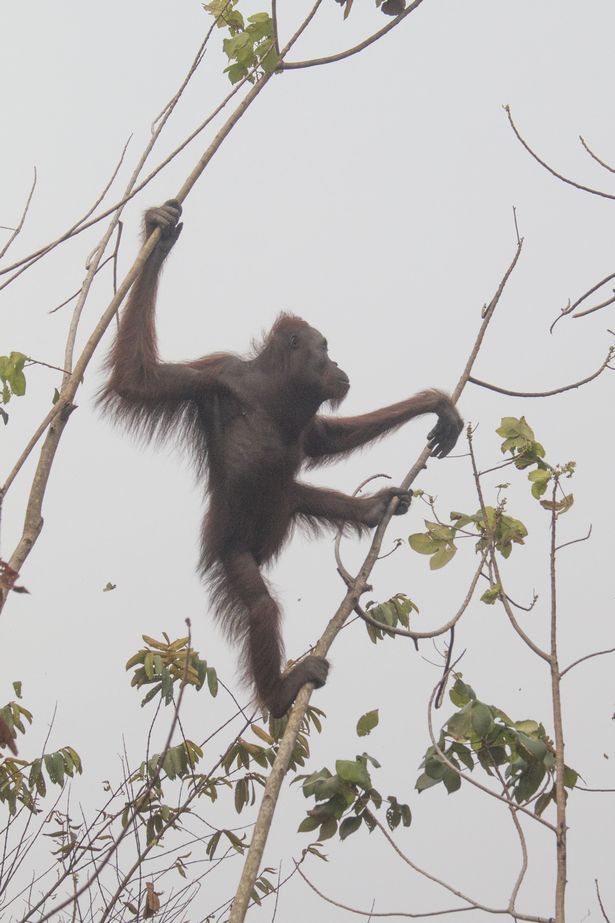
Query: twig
[
  {"x": 583, "y": 788},
  {"x": 572, "y": 307},
  {"x": 344, "y": 574},
  {"x": 372, "y": 913},
  {"x": 20, "y": 223},
  {"x": 75, "y": 294},
  {"x": 441, "y": 687},
  {"x": 576, "y": 384},
  {"x": 522, "y": 843},
  {"x": 516, "y": 225},
  {"x": 435, "y": 632},
  {"x": 134, "y": 190},
  {"x": 512, "y": 601},
  {"x": 56, "y": 368},
  {"x": 329, "y": 59},
  {"x": 148, "y": 787},
  {"x": 596, "y": 307},
  {"x": 474, "y": 904},
  {"x": 610, "y": 650},
  {"x": 28, "y": 261},
  {"x": 58, "y": 417},
  {"x": 600, "y": 902},
  {"x": 575, "y": 541},
  {"x": 560, "y": 176},
  {"x": 595, "y": 156}
]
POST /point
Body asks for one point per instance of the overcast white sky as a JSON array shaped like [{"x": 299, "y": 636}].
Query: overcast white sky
[{"x": 373, "y": 197}]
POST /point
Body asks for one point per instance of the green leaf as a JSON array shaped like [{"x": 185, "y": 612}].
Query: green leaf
[
  {"x": 461, "y": 693},
  {"x": 424, "y": 782},
  {"x": 442, "y": 557},
  {"x": 571, "y": 777},
  {"x": 459, "y": 725},
  {"x": 422, "y": 543},
  {"x": 435, "y": 768},
  {"x": 452, "y": 780},
  {"x": 212, "y": 681},
  {"x": 439, "y": 531},
  {"x": 540, "y": 481},
  {"x": 482, "y": 719},
  {"x": 348, "y": 826},
  {"x": 355, "y": 772},
  {"x": 491, "y": 596},
  {"x": 269, "y": 61},
  {"x": 535, "y": 748},
  {"x": 236, "y": 72},
  {"x": 463, "y": 754},
  {"x": 543, "y": 801},
  {"x": 54, "y": 764},
  {"x": 511, "y": 427},
  {"x": 328, "y": 829},
  {"x": 367, "y": 723},
  {"x": 308, "y": 824},
  {"x": 18, "y": 384}
]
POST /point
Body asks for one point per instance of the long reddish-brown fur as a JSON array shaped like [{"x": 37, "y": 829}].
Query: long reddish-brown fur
[{"x": 252, "y": 424}]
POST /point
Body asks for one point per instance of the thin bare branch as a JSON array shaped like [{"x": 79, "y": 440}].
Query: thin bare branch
[
  {"x": 561, "y": 390},
  {"x": 595, "y": 156},
  {"x": 575, "y": 663},
  {"x": 127, "y": 827},
  {"x": 572, "y": 307},
  {"x": 560, "y": 176},
  {"x": 583, "y": 788},
  {"x": 603, "y": 911},
  {"x": 575, "y": 541},
  {"x": 474, "y": 903},
  {"x": 435, "y": 632},
  {"x": 159, "y": 123},
  {"x": 21, "y": 221},
  {"x": 373, "y": 913},
  {"x": 329, "y": 59},
  {"x": 516, "y": 225},
  {"x": 522, "y": 843},
  {"x": 28, "y": 261},
  {"x": 344, "y": 574},
  {"x": 58, "y": 415},
  {"x": 78, "y": 292}
]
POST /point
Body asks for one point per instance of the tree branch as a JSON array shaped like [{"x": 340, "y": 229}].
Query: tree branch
[
  {"x": 346, "y": 607},
  {"x": 576, "y": 384}
]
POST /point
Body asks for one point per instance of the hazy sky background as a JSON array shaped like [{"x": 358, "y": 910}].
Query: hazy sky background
[{"x": 373, "y": 197}]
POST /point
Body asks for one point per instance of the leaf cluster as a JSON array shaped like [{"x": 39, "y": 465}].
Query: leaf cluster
[
  {"x": 520, "y": 441},
  {"x": 491, "y": 526},
  {"x": 17, "y": 786},
  {"x": 162, "y": 664},
  {"x": 393, "y": 613},
  {"x": 519, "y": 752},
  {"x": 250, "y": 46},
  {"x": 344, "y": 800},
  {"x": 12, "y": 379}
]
